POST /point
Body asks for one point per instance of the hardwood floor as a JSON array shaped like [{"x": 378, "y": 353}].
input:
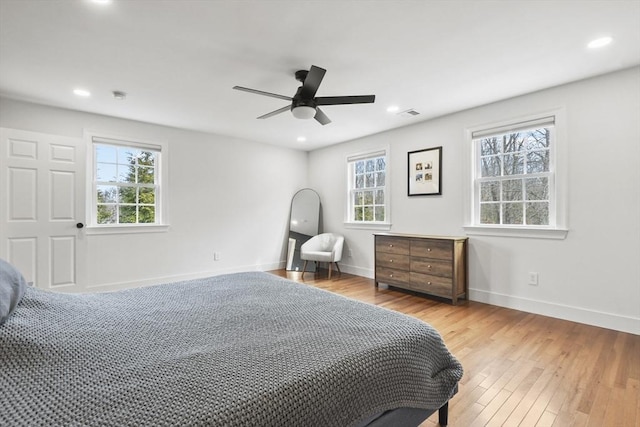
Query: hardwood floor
[{"x": 521, "y": 369}]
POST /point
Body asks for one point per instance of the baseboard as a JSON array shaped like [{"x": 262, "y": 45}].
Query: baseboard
[
  {"x": 357, "y": 271},
  {"x": 115, "y": 286},
  {"x": 575, "y": 314}
]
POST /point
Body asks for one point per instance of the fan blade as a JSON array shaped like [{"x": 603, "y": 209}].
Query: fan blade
[
  {"x": 321, "y": 117},
  {"x": 338, "y": 100},
  {"x": 312, "y": 82},
  {"x": 260, "y": 92},
  {"x": 273, "y": 113}
]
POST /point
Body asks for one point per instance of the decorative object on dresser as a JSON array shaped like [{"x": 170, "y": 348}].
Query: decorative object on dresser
[
  {"x": 425, "y": 172},
  {"x": 433, "y": 265}
]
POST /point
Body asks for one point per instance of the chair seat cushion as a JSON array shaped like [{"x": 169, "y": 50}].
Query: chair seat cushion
[{"x": 316, "y": 256}]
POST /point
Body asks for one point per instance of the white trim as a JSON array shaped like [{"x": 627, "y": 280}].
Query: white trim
[
  {"x": 514, "y": 231},
  {"x": 559, "y": 311},
  {"x": 162, "y": 196},
  {"x": 558, "y": 206},
  {"x": 368, "y": 225}
]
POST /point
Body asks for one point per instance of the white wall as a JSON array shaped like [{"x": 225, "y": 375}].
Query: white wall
[
  {"x": 226, "y": 195},
  {"x": 592, "y": 276}
]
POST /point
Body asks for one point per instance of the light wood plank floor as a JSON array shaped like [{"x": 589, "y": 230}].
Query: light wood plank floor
[{"x": 521, "y": 369}]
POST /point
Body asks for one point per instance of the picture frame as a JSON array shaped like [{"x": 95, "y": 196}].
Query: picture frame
[{"x": 425, "y": 172}]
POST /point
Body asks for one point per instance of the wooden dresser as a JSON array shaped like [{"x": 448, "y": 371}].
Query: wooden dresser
[{"x": 433, "y": 265}]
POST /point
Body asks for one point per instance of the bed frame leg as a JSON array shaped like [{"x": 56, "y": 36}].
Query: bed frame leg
[{"x": 443, "y": 415}]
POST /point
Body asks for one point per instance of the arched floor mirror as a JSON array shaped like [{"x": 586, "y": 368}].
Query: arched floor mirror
[{"x": 304, "y": 224}]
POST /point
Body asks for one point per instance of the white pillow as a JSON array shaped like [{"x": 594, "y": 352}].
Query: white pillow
[{"x": 12, "y": 287}]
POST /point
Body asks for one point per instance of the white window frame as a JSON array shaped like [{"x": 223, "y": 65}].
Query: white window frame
[
  {"x": 349, "y": 221},
  {"x": 558, "y": 227},
  {"x": 161, "y": 210}
]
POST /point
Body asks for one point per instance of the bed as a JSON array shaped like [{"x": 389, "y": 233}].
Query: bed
[{"x": 245, "y": 349}]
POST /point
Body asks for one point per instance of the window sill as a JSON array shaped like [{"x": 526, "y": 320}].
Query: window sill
[
  {"x": 368, "y": 225},
  {"x": 526, "y": 232},
  {"x": 126, "y": 229}
]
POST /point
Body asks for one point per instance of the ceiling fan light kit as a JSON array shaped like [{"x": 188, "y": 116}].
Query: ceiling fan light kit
[{"x": 304, "y": 104}]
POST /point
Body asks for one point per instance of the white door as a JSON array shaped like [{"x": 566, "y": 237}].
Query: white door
[{"x": 42, "y": 180}]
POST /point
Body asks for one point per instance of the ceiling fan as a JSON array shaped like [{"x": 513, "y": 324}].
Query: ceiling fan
[{"x": 305, "y": 104}]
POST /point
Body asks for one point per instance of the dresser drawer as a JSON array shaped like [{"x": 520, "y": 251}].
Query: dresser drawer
[
  {"x": 392, "y": 245},
  {"x": 393, "y": 261},
  {"x": 427, "y": 248},
  {"x": 392, "y": 276},
  {"x": 436, "y": 285},
  {"x": 432, "y": 266}
]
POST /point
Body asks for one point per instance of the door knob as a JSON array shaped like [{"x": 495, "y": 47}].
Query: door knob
[{"x": 79, "y": 225}]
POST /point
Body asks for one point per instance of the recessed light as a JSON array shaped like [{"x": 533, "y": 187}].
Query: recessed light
[
  {"x": 301, "y": 139},
  {"x": 82, "y": 92},
  {"x": 101, "y": 1},
  {"x": 392, "y": 108},
  {"x": 119, "y": 95},
  {"x": 600, "y": 42}
]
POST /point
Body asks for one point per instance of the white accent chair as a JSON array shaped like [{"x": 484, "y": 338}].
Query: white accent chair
[{"x": 325, "y": 247}]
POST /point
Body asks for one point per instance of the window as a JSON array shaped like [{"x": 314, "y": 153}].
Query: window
[
  {"x": 515, "y": 177},
  {"x": 127, "y": 183},
  {"x": 368, "y": 198}
]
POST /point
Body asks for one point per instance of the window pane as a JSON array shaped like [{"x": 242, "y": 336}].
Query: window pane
[
  {"x": 106, "y": 194},
  {"x": 381, "y": 164},
  {"x": 538, "y": 213},
  {"x": 380, "y": 178},
  {"x": 106, "y": 172},
  {"x": 489, "y": 146},
  {"x": 359, "y": 181},
  {"x": 127, "y": 195},
  {"x": 146, "y": 214},
  {"x": 127, "y": 215},
  {"x": 512, "y": 213},
  {"x": 146, "y": 175},
  {"x": 358, "y": 213},
  {"x": 126, "y": 173},
  {"x": 358, "y": 198},
  {"x": 379, "y": 197},
  {"x": 146, "y": 158},
  {"x": 360, "y": 166},
  {"x": 490, "y": 191},
  {"x": 368, "y": 213},
  {"x": 126, "y": 156},
  {"x": 369, "y": 180},
  {"x": 147, "y": 196},
  {"x": 490, "y": 166},
  {"x": 512, "y": 189},
  {"x": 489, "y": 213},
  {"x": 538, "y": 161},
  {"x": 368, "y": 197},
  {"x": 371, "y": 165},
  {"x": 537, "y": 188},
  {"x": 513, "y": 164},
  {"x": 379, "y": 210},
  {"x": 106, "y": 214},
  {"x": 105, "y": 154},
  {"x": 537, "y": 139},
  {"x": 513, "y": 142}
]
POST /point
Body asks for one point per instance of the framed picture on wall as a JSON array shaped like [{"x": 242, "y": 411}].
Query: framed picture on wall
[{"x": 425, "y": 172}]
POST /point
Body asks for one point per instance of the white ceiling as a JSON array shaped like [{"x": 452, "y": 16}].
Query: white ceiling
[{"x": 178, "y": 59}]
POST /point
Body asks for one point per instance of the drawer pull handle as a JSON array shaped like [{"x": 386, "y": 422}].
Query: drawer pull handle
[
  {"x": 428, "y": 249},
  {"x": 391, "y": 275},
  {"x": 428, "y": 283},
  {"x": 390, "y": 246},
  {"x": 429, "y": 267},
  {"x": 390, "y": 260}
]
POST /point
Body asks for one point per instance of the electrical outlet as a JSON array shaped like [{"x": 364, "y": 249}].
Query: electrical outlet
[
  {"x": 350, "y": 253},
  {"x": 533, "y": 279},
  {"x": 216, "y": 256}
]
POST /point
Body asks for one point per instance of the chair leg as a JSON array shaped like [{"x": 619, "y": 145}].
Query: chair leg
[
  {"x": 304, "y": 268},
  {"x": 329, "y": 269},
  {"x": 338, "y": 267}
]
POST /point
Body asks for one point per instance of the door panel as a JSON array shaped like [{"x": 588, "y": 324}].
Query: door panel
[{"x": 42, "y": 180}]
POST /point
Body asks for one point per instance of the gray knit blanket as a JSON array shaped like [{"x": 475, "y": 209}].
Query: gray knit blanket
[{"x": 247, "y": 349}]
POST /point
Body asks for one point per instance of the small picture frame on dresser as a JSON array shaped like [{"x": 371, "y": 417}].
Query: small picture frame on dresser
[{"x": 425, "y": 172}]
